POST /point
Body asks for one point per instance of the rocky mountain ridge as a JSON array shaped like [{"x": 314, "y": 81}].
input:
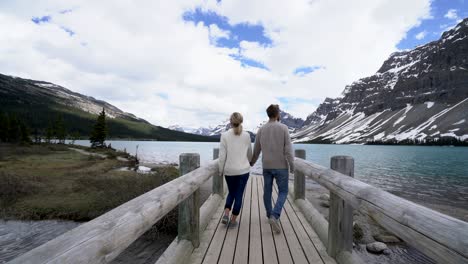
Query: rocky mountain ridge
[{"x": 417, "y": 94}]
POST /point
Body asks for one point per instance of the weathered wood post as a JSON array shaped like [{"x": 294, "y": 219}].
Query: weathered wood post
[
  {"x": 299, "y": 178},
  {"x": 217, "y": 179},
  {"x": 189, "y": 209},
  {"x": 340, "y": 227}
]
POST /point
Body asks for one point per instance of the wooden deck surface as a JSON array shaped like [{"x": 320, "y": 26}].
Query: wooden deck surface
[{"x": 253, "y": 241}]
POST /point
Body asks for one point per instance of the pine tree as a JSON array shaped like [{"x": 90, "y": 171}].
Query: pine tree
[
  {"x": 24, "y": 133},
  {"x": 74, "y": 137},
  {"x": 36, "y": 136},
  {"x": 14, "y": 130},
  {"x": 59, "y": 129},
  {"x": 3, "y": 127},
  {"x": 99, "y": 132},
  {"x": 49, "y": 133}
]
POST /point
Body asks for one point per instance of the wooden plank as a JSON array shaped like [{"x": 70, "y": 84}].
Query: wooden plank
[
  {"x": 216, "y": 245},
  {"x": 104, "y": 238},
  {"x": 178, "y": 252},
  {"x": 206, "y": 237},
  {"x": 255, "y": 246},
  {"x": 208, "y": 209},
  {"x": 321, "y": 249},
  {"x": 243, "y": 242},
  {"x": 295, "y": 248},
  {"x": 307, "y": 245},
  {"x": 230, "y": 242},
  {"x": 314, "y": 218},
  {"x": 268, "y": 244},
  {"x": 281, "y": 245},
  {"x": 441, "y": 237}
]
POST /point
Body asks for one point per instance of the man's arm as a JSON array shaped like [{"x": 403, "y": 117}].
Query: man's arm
[
  {"x": 249, "y": 151},
  {"x": 257, "y": 148},
  {"x": 288, "y": 150},
  {"x": 222, "y": 155}
]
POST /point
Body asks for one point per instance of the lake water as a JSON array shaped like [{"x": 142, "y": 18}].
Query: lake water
[{"x": 436, "y": 175}]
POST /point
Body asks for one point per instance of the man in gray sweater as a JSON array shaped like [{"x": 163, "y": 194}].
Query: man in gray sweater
[{"x": 274, "y": 142}]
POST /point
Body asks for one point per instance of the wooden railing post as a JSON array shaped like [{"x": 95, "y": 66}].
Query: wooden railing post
[
  {"x": 189, "y": 209},
  {"x": 217, "y": 179},
  {"x": 340, "y": 227},
  {"x": 299, "y": 178}
]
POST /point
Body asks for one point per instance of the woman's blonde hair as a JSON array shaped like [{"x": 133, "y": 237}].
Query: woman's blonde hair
[{"x": 236, "y": 123}]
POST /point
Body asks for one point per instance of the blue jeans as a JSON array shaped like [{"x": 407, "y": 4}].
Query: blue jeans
[
  {"x": 236, "y": 185},
  {"x": 282, "y": 180}
]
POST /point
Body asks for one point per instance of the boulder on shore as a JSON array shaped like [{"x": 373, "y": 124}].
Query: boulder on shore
[{"x": 376, "y": 247}]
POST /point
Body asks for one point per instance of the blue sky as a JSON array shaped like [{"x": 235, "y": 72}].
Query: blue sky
[
  {"x": 237, "y": 33},
  {"x": 444, "y": 14},
  {"x": 172, "y": 62}
]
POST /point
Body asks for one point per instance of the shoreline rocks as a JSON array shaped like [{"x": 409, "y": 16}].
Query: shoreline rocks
[{"x": 376, "y": 247}]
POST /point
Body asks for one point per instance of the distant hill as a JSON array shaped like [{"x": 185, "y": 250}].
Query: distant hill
[{"x": 39, "y": 103}]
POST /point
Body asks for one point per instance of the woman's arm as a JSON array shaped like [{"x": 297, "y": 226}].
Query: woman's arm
[{"x": 222, "y": 155}]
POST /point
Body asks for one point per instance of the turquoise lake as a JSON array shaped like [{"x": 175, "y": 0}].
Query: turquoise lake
[{"x": 431, "y": 174}]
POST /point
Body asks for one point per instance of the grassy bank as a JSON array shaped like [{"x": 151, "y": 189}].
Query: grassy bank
[{"x": 54, "y": 182}]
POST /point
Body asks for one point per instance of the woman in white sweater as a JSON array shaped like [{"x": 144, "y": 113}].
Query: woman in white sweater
[{"x": 235, "y": 152}]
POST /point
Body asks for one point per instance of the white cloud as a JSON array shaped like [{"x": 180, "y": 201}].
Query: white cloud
[
  {"x": 420, "y": 35},
  {"x": 217, "y": 33},
  {"x": 136, "y": 51},
  {"x": 451, "y": 14}
]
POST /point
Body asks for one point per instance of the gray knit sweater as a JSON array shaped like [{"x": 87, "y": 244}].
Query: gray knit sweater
[{"x": 274, "y": 142}]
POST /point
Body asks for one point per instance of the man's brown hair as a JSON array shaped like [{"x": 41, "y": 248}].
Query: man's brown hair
[{"x": 273, "y": 111}]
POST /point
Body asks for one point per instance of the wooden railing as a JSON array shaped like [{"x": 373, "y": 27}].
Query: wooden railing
[
  {"x": 104, "y": 238},
  {"x": 441, "y": 237}
]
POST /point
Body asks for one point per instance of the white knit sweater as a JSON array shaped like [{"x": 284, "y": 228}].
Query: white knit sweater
[{"x": 235, "y": 153}]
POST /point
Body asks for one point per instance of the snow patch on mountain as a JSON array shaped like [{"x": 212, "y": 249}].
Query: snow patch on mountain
[
  {"x": 416, "y": 94},
  {"x": 429, "y": 104},
  {"x": 85, "y": 103}
]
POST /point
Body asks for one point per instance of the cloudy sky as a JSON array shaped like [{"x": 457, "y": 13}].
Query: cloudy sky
[{"x": 192, "y": 63}]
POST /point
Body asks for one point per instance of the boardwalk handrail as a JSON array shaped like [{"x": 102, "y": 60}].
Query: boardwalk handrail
[
  {"x": 439, "y": 236},
  {"x": 104, "y": 238}
]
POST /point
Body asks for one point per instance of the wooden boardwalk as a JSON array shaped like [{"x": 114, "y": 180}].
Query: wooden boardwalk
[
  {"x": 440, "y": 237},
  {"x": 253, "y": 241}
]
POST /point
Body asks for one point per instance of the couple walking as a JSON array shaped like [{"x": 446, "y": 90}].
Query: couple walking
[{"x": 236, "y": 157}]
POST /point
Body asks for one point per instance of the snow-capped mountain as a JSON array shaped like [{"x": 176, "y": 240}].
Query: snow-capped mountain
[
  {"x": 204, "y": 131},
  {"x": 416, "y": 94},
  {"x": 186, "y": 130},
  {"x": 292, "y": 122}
]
